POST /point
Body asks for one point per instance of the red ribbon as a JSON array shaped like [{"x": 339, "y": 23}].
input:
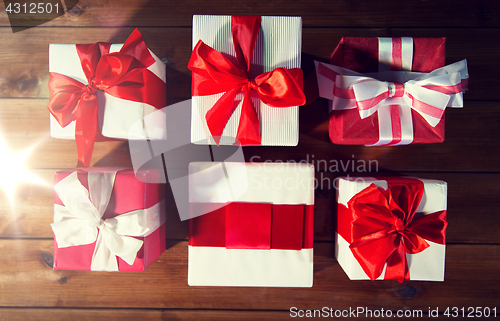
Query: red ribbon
[
  {"x": 213, "y": 73},
  {"x": 121, "y": 74},
  {"x": 384, "y": 227},
  {"x": 253, "y": 226}
]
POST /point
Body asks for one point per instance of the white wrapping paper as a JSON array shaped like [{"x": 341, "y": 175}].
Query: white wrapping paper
[
  {"x": 245, "y": 182},
  {"x": 118, "y": 118},
  {"x": 278, "y": 45},
  {"x": 427, "y": 265}
]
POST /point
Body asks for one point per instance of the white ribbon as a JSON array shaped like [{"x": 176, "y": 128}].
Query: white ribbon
[
  {"x": 368, "y": 86},
  {"x": 385, "y": 59},
  {"x": 80, "y": 222}
]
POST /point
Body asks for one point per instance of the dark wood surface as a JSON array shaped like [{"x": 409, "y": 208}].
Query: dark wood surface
[{"x": 468, "y": 160}]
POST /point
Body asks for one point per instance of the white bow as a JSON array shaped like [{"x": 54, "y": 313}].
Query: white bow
[
  {"x": 80, "y": 222},
  {"x": 427, "y": 93},
  {"x": 371, "y": 94}
]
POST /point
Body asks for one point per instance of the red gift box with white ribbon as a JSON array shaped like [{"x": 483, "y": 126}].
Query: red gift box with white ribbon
[
  {"x": 252, "y": 224},
  {"x": 391, "y": 228},
  {"x": 390, "y": 91},
  {"x": 108, "y": 219}
]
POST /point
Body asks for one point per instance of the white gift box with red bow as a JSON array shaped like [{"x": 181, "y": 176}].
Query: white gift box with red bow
[
  {"x": 278, "y": 44},
  {"x": 428, "y": 265},
  {"x": 118, "y": 118}
]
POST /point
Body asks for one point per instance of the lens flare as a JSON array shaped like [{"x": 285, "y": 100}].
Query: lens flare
[{"x": 13, "y": 171}]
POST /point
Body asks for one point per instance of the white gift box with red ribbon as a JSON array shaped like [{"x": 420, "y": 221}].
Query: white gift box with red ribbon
[
  {"x": 118, "y": 118},
  {"x": 278, "y": 44},
  {"x": 428, "y": 265},
  {"x": 217, "y": 186}
]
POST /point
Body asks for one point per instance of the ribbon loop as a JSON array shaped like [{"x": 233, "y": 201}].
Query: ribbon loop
[
  {"x": 123, "y": 74},
  {"x": 79, "y": 221},
  {"x": 213, "y": 73}
]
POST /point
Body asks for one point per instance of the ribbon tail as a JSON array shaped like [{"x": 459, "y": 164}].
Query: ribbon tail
[
  {"x": 86, "y": 130},
  {"x": 397, "y": 266},
  {"x": 119, "y": 245},
  {"x": 102, "y": 259},
  {"x": 249, "y": 126},
  {"x": 218, "y": 116}
]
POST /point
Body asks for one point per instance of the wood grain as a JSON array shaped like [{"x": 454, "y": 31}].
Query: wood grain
[
  {"x": 25, "y": 123},
  {"x": 50, "y": 314},
  {"x": 27, "y": 280},
  {"x": 84, "y": 314},
  {"x": 33, "y": 211},
  {"x": 25, "y": 68},
  {"x": 322, "y": 13},
  {"x": 469, "y": 160}
]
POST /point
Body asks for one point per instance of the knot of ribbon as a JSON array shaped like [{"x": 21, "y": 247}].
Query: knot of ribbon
[
  {"x": 213, "y": 73},
  {"x": 80, "y": 222},
  {"x": 122, "y": 74},
  {"x": 92, "y": 87},
  {"x": 396, "y": 89},
  {"x": 385, "y": 228}
]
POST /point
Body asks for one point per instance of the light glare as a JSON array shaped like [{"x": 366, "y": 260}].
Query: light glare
[{"x": 13, "y": 171}]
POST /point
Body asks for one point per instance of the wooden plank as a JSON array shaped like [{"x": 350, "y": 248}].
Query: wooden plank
[
  {"x": 28, "y": 280},
  {"x": 26, "y": 75},
  {"x": 471, "y": 196},
  {"x": 314, "y": 13},
  {"x": 468, "y": 161},
  {"x": 49, "y": 314},
  {"x": 468, "y": 147},
  {"x": 24, "y": 69},
  {"x": 83, "y": 314}
]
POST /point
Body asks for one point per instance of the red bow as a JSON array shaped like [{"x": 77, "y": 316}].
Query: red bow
[
  {"x": 384, "y": 228},
  {"x": 213, "y": 73},
  {"x": 121, "y": 74}
]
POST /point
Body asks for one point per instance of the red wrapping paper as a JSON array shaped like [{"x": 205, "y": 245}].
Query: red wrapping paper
[{"x": 361, "y": 55}]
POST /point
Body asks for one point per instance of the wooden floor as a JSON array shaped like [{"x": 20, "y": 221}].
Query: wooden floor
[{"x": 469, "y": 161}]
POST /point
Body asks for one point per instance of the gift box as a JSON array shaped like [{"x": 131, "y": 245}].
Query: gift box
[
  {"x": 247, "y": 82},
  {"x": 390, "y": 91},
  {"x": 106, "y": 91},
  {"x": 107, "y": 219},
  {"x": 257, "y": 229},
  {"x": 392, "y": 228}
]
